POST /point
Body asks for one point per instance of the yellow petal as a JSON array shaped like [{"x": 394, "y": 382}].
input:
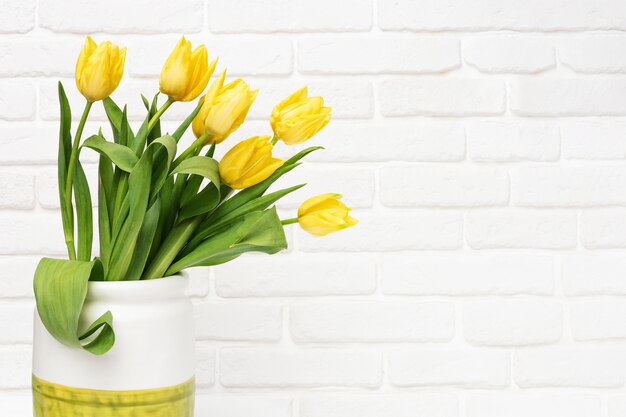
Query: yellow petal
[{"x": 307, "y": 206}]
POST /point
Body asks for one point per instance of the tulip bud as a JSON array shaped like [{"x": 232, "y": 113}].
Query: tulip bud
[
  {"x": 298, "y": 117},
  {"x": 224, "y": 110},
  {"x": 248, "y": 163},
  {"x": 99, "y": 69},
  {"x": 186, "y": 74},
  {"x": 324, "y": 214}
]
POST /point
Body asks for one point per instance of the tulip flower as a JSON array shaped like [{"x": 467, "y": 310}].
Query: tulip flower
[
  {"x": 299, "y": 117},
  {"x": 186, "y": 74},
  {"x": 248, "y": 163},
  {"x": 324, "y": 214},
  {"x": 99, "y": 69},
  {"x": 224, "y": 110}
]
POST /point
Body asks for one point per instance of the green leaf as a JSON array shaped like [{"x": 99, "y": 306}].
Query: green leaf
[
  {"x": 84, "y": 213},
  {"x": 65, "y": 149},
  {"x": 257, "y": 190},
  {"x": 120, "y": 155},
  {"x": 178, "y": 133},
  {"x": 146, "y": 103},
  {"x": 117, "y": 119},
  {"x": 174, "y": 242},
  {"x": 214, "y": 222},
  {"x": 164, "y": 153},
  {"x": 125, "y": 136},
  {"x": 195, "y": 181},
  {"x": 200, "y": 165},
  {"x": 201, "y": 203},
  {"x": 60, "y": 290},
  {"x": 144, "y": 242},
  {"x": 259, "y": 231},
  {"x": 105, "y": 206},
  {"x": 156, "y": 130},
  {"x": 138, "y": 195}
]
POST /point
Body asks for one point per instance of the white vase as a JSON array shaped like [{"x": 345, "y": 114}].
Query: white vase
[{"x": 153, "y": 357}]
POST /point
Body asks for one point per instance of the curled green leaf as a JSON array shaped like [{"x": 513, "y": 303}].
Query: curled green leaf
[{"x": 60, "y": 290}]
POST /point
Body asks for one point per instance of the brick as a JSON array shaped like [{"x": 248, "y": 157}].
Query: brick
[
  {"x": 128, "y": 94},
  {"x": 223, "y": 321},
  {"x": 17, "y": 403},
  {"x": 350, "y": 98},
  {"x": 17, "y": 189},
  {"x": 205, "y": 365},
  {"x": 15, "y": 366},
  {"x": 368, "y": 405},
  {"x": 157, "y": 17},
  {"x": 603, "y": 228},
  {"x": 17, "y": 16},
  {"x": 289, "y": 276},
  {"x": 594, "y": 54},
  {"x": 467, "y": 275},
  {"x": 48, "y": 191},
  {"x": 355, "y": 184},
  {"x": 596, "y": 367},
  {"x": 598, "y": 320},
  {"x": 289, "y": 16},
  {"x": 443, "y": 187},
  {"x": 593, "y": 139},
  {"x": 16, "y": 324},
  {"x": 509, "y": 54},
  {"x": 31, "y": 233},
  {"x": 366, "y": 321},
  {"x": 28, "y": 144},
  {"x": 268, "y": 367},
  {"x": 39, "y": 56},
  {"x": 392, "y": 231},
  {"x": 198, "y": 282},
  {"x": 536, "y": 405},
  {"x": 378, "y": 55},
  {"x": 429, "y": 96},
  {"x": 510, "y": 228},
  {"x": 512, "y": 322},
  {"x": 594, "y": 274},
  {"x": 617, "y": 405},
  {"x": 17, "y": 100},
  {"x": 15, "y": 276},
  {"x": 242, "y": 405},
  {"x": 242, "y": 56},
  {"x": 463, "y": 368},
  {"x": 568, "y": 187},
  {"x": 594, "y": 96},
  {"x": 476, "y": 15},
  {"x": 378, "y": 141},
  {"x": 512, "y": 142}
]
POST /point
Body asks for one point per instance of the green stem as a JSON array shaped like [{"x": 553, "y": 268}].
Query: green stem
[
  {"x": 274, "y": 140},
  {"x": 196, "y": 145},
  {"x": 289, "y": 221},
  {"x": 158, "y": 114},
  {"x": 168, "y": 251},
  {"x": 69, "y": 238}
]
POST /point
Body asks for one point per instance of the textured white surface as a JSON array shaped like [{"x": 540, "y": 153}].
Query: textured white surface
[{"x": 483, "y": 144}]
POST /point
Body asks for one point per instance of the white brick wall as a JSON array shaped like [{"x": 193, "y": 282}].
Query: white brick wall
[{"x": 483, "y": 146}]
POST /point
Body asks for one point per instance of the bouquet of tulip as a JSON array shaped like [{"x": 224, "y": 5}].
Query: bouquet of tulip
[{"x": 159, "y": 210}]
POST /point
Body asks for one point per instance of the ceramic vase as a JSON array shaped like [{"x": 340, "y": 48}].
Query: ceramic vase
[{"x": 148, "y": 372}]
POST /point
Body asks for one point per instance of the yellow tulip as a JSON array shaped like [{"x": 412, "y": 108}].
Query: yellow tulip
[
  {"x": 299, "y": 117},
  {"x": 186, "y": 74},
  {"x": 248, "y": 163},
  {"x": 224, "y": 110},
  {"x": 324, "y": 214},
  {"x": 99, "y": 69}
]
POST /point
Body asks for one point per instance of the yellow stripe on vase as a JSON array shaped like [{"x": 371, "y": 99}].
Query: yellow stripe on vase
[{"x": 54, "y": 400}]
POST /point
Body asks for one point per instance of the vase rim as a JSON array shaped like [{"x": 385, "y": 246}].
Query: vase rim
[{"x": 162, "y": 288}]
